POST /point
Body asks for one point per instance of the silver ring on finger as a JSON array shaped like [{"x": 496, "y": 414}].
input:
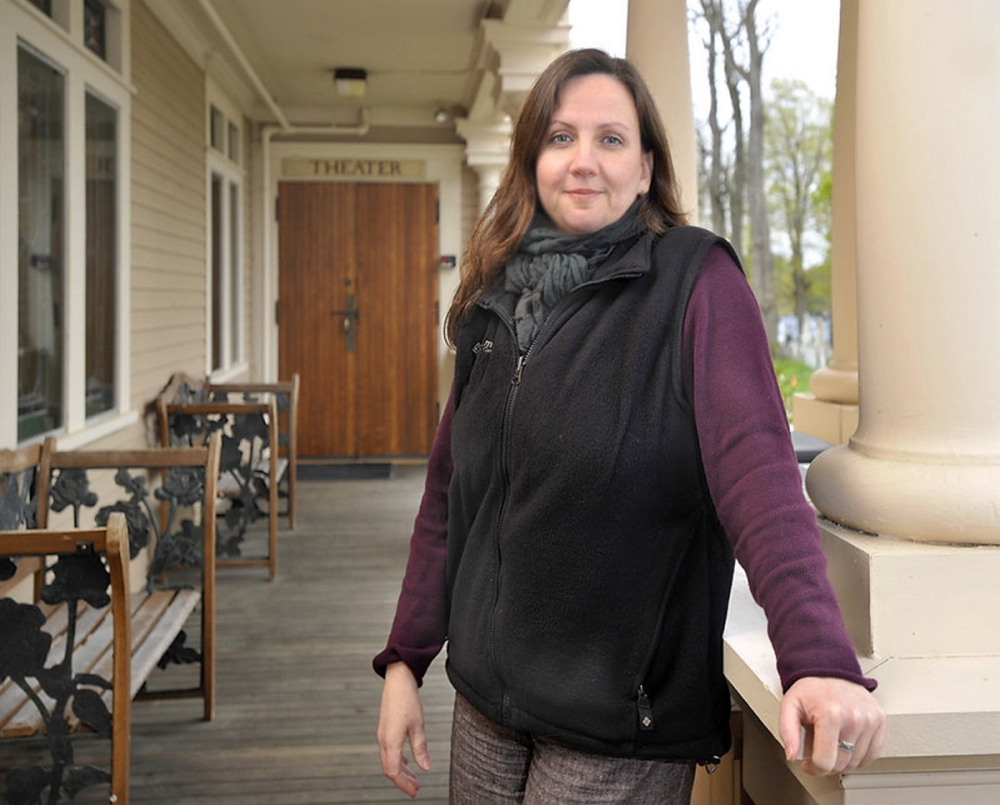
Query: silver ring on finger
[{"x": 847, "y": 746}]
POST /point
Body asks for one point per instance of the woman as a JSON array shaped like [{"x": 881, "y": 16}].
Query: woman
[{"x": 614, "y": 435}]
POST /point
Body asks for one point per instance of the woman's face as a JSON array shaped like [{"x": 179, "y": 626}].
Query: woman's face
[{"x": 591, "y": 165}]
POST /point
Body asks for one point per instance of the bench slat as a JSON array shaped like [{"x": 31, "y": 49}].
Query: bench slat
[
  {"x": 157, "y": 618},
  {"x": 18, "y": 716},
  {"x": 171, "y": 612}
]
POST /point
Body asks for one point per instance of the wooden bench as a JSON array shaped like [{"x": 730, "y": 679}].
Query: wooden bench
[
  {"x": 167, "y": 499},
  {"x": 98, "y": 674},
  {"x": 259, "y": 463}
]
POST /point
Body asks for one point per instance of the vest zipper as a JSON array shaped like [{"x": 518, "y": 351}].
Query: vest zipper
[
  {"x": 505, "y": 458},
  {"x": 645, "y": 711},
  {"x": 643, "y": 705},
  {"x": 518, "y": 370}
]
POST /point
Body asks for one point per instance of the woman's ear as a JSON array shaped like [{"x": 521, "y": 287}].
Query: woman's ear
[{"x": 646, "y": 177}]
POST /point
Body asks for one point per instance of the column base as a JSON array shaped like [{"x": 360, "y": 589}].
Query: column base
[
  {"x": 831, "y": 421},
  {"x": 924, "y": 498},
  {"x": 912, "y": 600}
]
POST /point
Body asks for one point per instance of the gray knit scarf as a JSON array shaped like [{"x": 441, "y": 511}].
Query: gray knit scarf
[{"x": 549, "y": 264}]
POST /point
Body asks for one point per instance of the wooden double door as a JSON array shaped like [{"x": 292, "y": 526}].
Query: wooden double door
[{"x": 358, "y": 315}]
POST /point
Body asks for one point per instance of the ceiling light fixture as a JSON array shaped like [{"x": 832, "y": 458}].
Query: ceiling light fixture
[{"x": 350, "y": 82}]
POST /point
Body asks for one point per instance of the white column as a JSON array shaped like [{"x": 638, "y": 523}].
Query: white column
[
  {"x": 657, "y": 44},
  {"x": 924, "y": 463},
  {"x": 830, "y": 410},
  {"x": 487, "y": 151}
]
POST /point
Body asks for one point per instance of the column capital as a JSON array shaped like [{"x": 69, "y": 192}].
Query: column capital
[
  {"x": 487, "y": 151},
  {"x": 517, "y": 54},
  {"x": 487, "y": 143}
]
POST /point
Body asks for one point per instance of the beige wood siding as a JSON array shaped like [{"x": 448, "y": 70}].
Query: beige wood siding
[{"x": 169, "y": 238}]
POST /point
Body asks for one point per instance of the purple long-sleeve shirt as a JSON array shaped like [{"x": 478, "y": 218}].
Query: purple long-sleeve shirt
[{"x": 752, "y": 473}]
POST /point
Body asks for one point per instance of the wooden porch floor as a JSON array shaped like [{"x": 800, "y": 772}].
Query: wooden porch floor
[{"x": 297, "y": 699}]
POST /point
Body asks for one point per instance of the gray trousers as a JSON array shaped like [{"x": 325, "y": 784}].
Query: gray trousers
[{"x": 494, "y": 765}]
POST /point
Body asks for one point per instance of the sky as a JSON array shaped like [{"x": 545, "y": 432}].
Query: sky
[{"x": 803, "y": 46}]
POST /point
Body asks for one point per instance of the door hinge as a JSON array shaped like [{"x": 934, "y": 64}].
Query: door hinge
[
  {"x": 437, "y": 211},
  {"x": 277, "y": 311},
  {"x": 277, "y": 208}
]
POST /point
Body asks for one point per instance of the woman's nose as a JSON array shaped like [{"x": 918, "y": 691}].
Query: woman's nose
[{"x": 584, "y": 160}]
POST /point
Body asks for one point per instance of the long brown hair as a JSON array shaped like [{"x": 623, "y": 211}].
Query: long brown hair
[{"x": 508, "y": 215}]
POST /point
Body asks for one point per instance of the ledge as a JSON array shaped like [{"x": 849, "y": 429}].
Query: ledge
[{"x": 938, "y": 707}]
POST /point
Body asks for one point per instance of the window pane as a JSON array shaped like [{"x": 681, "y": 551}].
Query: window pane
[
  {"x": 94, "y": 26},
  {"x": 217, "y": 130},
  {"x": 41, "y": 197},
  {"x": 45, "y": 6},
  {"x": 102, "y": 262},
  {"x": 218, "y": 305},
  {"x": 234, "y": 272},
  {"x": 234, "y": 143}
]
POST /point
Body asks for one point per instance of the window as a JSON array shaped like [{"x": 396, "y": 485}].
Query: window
[
  {"x": 41, "y": 90},
  {"x": 235, "y": 272},
  {"x": 226, "y": 263},
  {"x": 102, "y": 257},
  {"x": 218, "y": 273},
  {"x": 225, "y": 255},
  {"x": 45, "y": 6},
  {"x": 94, "y": 27},
  {"x": 64, "y": 334},
  {"x": 217, "y": 128},
  {"x": 234, "y": 143}
]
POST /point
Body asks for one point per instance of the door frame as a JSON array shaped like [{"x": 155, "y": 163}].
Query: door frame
[{"x": 458, "y": 207}]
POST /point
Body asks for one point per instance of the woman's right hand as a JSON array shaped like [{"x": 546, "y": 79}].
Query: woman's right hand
[{"x": 401, "y": 718}]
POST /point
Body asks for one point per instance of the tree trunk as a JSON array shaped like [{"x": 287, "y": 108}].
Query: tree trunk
[{"x": 760, "y": 233}]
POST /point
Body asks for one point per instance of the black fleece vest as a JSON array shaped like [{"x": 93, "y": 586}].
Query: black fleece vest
[{"x": 588, "y": 576}]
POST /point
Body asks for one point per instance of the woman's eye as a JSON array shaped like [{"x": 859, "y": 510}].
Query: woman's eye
[
  {"x": 559, "y": 138},
  {"x": 613, "y": 139}
]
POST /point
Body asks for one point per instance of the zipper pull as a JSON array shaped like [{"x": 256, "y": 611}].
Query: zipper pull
[
  {"x": 645, "y": 710},
  {"x": 516, "y": 379}
]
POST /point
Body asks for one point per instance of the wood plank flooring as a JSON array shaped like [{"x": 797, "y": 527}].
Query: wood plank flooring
[{"x": 297, "y": 699}]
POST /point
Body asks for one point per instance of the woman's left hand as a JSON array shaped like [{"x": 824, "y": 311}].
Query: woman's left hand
[{"x": 845, "y": 726}]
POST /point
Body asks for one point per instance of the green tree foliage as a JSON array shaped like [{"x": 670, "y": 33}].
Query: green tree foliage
[
  {"x": 799, "y": 154},
  {"x": 733, "y": 168}
]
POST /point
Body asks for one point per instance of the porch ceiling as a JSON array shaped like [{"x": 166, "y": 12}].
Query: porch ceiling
[{"x": 421, "y": 56}]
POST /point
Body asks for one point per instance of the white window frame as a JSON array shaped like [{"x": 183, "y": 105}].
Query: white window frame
[
  {"x": 59, "y": 40},
  {"x": 219, "y": 163}
]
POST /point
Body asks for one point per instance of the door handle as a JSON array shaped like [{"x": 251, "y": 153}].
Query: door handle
[{"x": 350, "y": 315}]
